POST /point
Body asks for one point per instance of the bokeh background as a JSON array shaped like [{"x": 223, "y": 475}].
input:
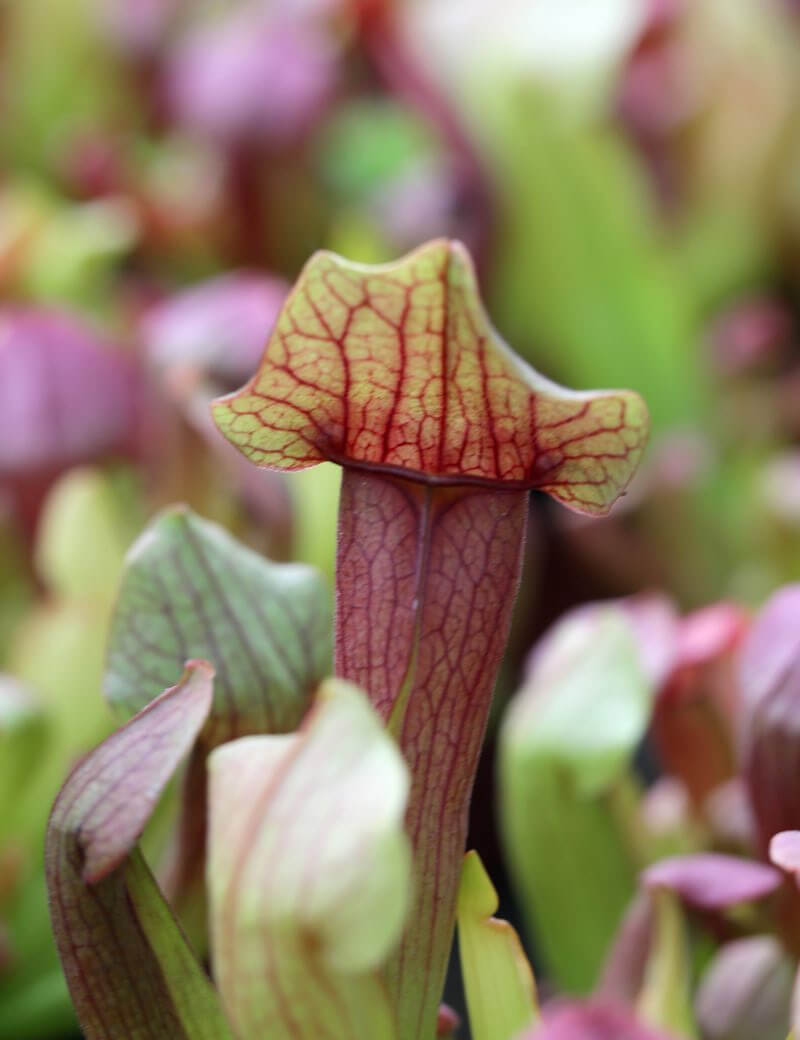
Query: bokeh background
[{"x": 626, "y": 174}]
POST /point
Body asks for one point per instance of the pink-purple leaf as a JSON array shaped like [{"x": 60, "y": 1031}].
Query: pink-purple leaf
[
  {"x": 66, "y": 396},
  {"x": 784, "y": 851},
  {"x": 217, "y": 328},
  {"x": 250, "y": 75},
  {"x": 713, "y": 881},
  {"x": 769, "y": 680},
  {"x": 593, "y": 1020},
  {"x": 128, "y": 967}
]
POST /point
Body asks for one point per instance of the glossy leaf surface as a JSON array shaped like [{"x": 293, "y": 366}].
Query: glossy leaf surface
[
  {"x": 499, "y": 983},
  {"x": 309, "y": 873},
  {"x": 127, "y": 964},
  {"x": 565, "y": 746},
  {"x": 397, "y": 368},
  {"x": 190, "y": 590}
]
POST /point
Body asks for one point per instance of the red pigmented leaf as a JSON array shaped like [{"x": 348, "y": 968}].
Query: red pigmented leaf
[
  {"x": 447, "y": 1021},
  {"x": 426, "y": 582},
  {"x": 398, "y": 368},
  {"x": 693, "y": 720},
  {"x": 129, "y": 969},
  {"x": 712, "y": 881},
  {"x": 769, "y": 681}
]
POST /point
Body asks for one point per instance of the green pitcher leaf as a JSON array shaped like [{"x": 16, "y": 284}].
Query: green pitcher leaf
[
  {"x": 309, "y": 873},
  {"x": 499, "y": 983},
  {"x": 190, "y": 590},
  {"x": 128, "y": 967},
  {"x": 565, "y": 746}
]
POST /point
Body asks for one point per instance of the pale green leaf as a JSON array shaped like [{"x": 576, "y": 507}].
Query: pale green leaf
[
  {"x": 565, "y": 746},
  {"x": 309, "y": 873},
  {"x": 499, "y": 983},
  {"x": 190, "y": 590}
]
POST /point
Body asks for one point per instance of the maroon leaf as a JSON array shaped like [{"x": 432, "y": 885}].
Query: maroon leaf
[
  {"x": 769, "y": 677},
  {"x": 129, "y": 970},
  {"x": 626, "y": 961},
  {"x": 694, "y": 716}
]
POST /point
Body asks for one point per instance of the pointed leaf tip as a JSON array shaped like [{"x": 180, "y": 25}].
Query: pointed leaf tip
[
  {"x": 110, "y": 796},
  {"x": 191, "y": 590},
  {"x": 129, "y": 969},
  {"x": 397, "y": 367},
  {"x": 499, "y": 983}
]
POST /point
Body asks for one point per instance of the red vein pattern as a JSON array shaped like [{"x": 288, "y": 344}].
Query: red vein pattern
[
  {"x": 398, "y": 368},
  {"x": 118, "y": 982},
  {"x": 426, "y": 581},
  {"x": 396, "y": 373}
]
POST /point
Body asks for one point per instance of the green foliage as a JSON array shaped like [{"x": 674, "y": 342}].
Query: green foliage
[
  {"x": 566, "y": 744},
  {"x": 190, "y": 590},
  {"x": 499, "y": 983}
]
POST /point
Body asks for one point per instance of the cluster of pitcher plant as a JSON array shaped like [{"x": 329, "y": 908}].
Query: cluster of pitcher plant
[{"x": 308, "y": 859}]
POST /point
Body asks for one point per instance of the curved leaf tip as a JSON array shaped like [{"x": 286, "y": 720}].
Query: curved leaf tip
[
  {"x": 309, "y": 872},
  {"x": 111, "y": 794},
  {"x": 396, "y": 367},
  {"x": 500, "y": 987},
  {"x": 129, "y": 968},
  {"x": 189, "y": 589}
]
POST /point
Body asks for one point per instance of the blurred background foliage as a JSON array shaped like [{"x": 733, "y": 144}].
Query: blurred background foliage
[{"x": 626, "y": 174}]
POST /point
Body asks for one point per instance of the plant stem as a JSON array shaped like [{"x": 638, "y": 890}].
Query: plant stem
[{"x": 426, "y": 581}]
